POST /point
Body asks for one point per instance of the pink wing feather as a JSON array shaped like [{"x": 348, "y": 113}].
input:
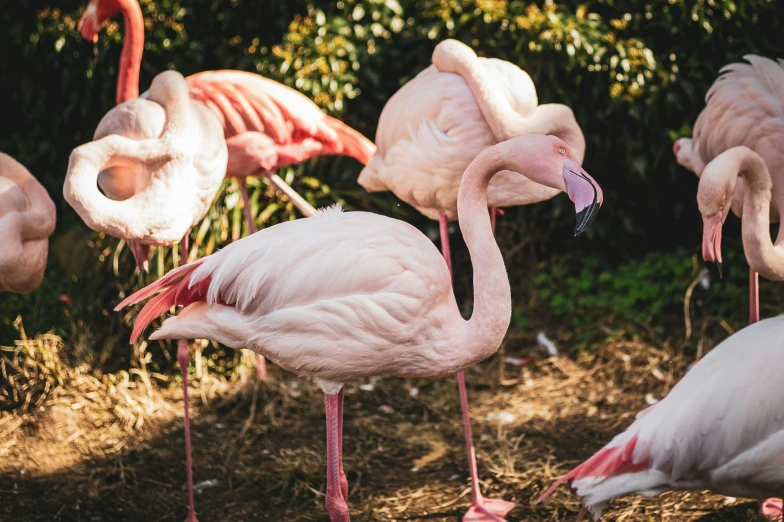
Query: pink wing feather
[{"x": 249, "y": 102}]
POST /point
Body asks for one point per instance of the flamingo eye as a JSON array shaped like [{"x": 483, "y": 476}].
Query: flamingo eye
[{"x": 561, "y": 150}]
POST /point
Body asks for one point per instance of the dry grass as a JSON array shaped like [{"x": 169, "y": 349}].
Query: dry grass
[{"x": 78, "y": 446}]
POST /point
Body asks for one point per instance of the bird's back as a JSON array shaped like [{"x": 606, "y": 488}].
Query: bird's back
[
  {"x": 335, "y": 296},
  {"x": 744, "y": 106}
]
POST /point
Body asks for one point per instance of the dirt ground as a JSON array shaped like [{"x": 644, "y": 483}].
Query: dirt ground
[{"x": 113, "y": 450}]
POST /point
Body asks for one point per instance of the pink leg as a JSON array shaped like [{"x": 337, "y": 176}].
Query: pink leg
[
  {"x": 343, "y": 479},
  {"x": 754, "y": 314},
  {"x": 336, "y": 504},
  {"x": 184, "y": 357},
  {"x": 481, "y": 509},
  {"x": 261, "y": 364}
]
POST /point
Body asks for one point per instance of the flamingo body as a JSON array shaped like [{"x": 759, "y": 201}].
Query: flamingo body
[
  {"x": 304, "y": 309},
  {"x": 743, "y": 107},
  {"x": 27, "y": 219},
  {"x": 720, "y": 428},
  {"x": 167, "y": 174},
  {"x": 431, "y": 130}
]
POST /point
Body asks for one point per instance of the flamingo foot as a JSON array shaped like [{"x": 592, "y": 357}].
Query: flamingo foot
[
  {"x": 488, "y": 510},
  {"x": 261, "y": 368},
  {"x": 771, "y": 508},
  {"x": 191, "y": 517}
]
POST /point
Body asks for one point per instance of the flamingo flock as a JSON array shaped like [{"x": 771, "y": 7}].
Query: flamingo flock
[{"x": 339, "y": 296}]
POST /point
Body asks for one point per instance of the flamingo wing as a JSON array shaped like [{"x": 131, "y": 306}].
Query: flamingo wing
[
  {"x": 357, "y": 285},
  {"x": 720, "y": 428},
  {"x": 250, "y": 102},
  {"x": 744, "y": 106}
]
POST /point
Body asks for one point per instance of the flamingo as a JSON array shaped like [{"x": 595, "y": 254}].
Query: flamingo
[
  {"x": 429, "y": 132},
  {"x": 27, "y": 219},
  {"x": 266, "y": 124},
  {"x": 360, "y": 294},
  {"x": 163, "y": 159},
  {"x": 743, "y": 107},
  {"x": 707, "y": 433}
]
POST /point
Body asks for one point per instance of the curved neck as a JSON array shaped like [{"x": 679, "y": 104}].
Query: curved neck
[
  {"x": 485, "y": 331},
  {"x": 763, "y": 256},
  {"x": 133, "y": 47}
]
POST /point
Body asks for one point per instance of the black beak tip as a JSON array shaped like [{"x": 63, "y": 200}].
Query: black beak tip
[
  {"x": 584, "y": 218},
  {"x": 714, "y": 268}
]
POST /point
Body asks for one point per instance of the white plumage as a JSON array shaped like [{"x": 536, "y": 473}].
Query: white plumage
[{"x": 720, "y": 428}]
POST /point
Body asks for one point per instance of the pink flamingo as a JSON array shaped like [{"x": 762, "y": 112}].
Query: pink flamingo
[
  {"x": 743, "y": 107},
  {"x": 27, "y": 219},
  {"x": 707, "y": 433},
  {"x": 160, "y": 164},
  {"x": 391, "y": 311},
  {"x": 429, "y": 132},
  {"x": 266, "y": 124}
]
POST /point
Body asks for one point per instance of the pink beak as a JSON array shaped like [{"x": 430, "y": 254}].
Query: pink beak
[
  {"x": 584, "y": 192},
  {"x": 711, "y": 242},
  {"x": 675, "y": 148}
]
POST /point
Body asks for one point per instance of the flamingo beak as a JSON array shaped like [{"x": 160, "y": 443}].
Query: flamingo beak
[
  {"x": 676, "y": 147},
  {"x": 711, "y": 242},
  {"x": 584, "y": 192},
  {"x": 88, "y": 24}
]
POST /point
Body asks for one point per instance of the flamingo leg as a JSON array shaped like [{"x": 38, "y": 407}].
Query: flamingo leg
[
  {"x": 261, "y": 364},
  {"x": 482, "y": 509},
  {"x": 754, "y": 313},
  {"x": 299, "y": 202},
  {"x": 770, "y": 508},
  {"x": 183, "y": 357},
  {"x": 336, "y": 504},
  {"x": 343, "y": 479}
]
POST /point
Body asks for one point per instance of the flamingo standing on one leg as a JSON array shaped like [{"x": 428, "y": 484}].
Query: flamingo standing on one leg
[
  {"x": 27, "y": 219},
  {"x": 432, "y": 128},
  {"x": 167, "y": 157},
  {"x": 392, "y": 310},
  {"x": 720, "y": 428},
  {"x": 267, "y": 125},
  {"x": 743, "y": 107}
]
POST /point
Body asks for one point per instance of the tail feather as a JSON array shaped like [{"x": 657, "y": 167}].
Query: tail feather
[
  {"x": 607, "y": 462},
  {"x": 176, "y": 291},
  {"x": 351, "y": 142}
]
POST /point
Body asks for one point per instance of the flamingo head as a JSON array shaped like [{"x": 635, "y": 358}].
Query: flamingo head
[
  {"x": 582, "y": 189},
  {"x": 714, "y": 198},
  {"x": 94, "y": 16}
]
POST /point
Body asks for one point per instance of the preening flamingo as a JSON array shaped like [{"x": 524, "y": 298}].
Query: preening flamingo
[
  {"x": 163, "y": 159},
  {"x": 743, "y": 107},
  {"x": 720, "y": 428},
  {"x": 429, "y": 132},
  {"x": 341, "y": 296},
  {"x": 27, "y": 219},
  {"x": 266, "y": 124}
]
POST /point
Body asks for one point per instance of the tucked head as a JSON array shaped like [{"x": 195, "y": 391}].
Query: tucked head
[
  {"x": 681, "y": 149},
  {"x": 97, "y": 12}
]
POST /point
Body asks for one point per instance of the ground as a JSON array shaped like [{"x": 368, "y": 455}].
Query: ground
[{"x": 110, "y": 447}]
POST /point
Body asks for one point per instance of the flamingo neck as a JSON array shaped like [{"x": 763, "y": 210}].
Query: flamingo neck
[
  {"x": 763, "y": 255},
  {"x": 483, "y": 332},
  {"x": 133, "y": 47}
]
